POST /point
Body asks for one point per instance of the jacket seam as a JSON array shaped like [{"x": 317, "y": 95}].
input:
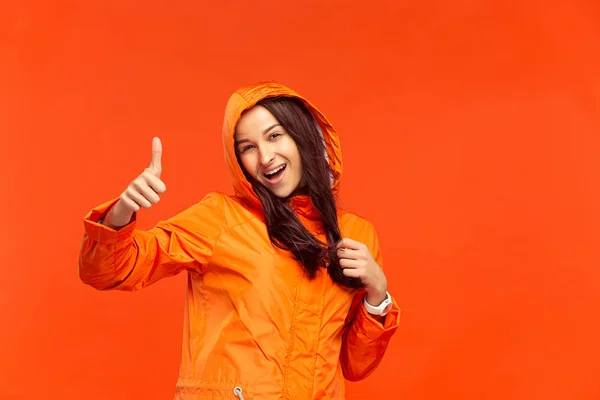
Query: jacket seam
[
  {"x": 224, "y": 232},
  {"x": 225, "y": 229},
  {"x": 312, "y": 384},
  {"x": 292, "y": 336},
  {"x": 121, "y": 281},
  {"x": 222, "y": 215}
]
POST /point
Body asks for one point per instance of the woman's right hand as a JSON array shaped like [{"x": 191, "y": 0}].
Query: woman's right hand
[{"x": 142, "y": 192}]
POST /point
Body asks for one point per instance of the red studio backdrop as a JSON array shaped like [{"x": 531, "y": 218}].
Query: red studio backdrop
[{"x": 471, "y": 138}]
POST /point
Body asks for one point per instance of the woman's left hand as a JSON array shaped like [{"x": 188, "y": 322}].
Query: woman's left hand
[{"x": 357, "y": 262}]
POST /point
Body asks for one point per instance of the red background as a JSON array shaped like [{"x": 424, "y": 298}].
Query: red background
[{"x": 470, "y": 133}]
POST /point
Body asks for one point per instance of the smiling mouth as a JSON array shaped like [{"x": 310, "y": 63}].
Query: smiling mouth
[{"x": 275, "y": 173}]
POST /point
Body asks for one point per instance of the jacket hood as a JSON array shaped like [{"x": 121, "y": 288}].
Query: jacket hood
[{"x": 245, "y": 98}]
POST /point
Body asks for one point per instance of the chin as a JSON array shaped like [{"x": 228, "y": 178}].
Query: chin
[
  {"x": 282, "y": 194},
  {"x": 284, "y": 191}
]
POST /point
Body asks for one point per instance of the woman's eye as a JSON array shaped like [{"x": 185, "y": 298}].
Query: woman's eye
[
  {"x": 274, "y": 135},
  {"x": 245, "y": 148}
]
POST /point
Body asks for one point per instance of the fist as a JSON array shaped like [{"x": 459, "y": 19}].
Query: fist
[{"x": 357, "y": 262}]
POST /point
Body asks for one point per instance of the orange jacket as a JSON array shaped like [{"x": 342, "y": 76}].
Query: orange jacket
[{"x": 253, "y": 321}]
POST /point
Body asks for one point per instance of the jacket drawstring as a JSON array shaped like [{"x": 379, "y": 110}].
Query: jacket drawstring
[{"x": 238, "y": 393}]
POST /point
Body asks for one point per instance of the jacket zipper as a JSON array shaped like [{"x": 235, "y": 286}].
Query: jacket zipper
[{"x": 238, "y": 393}]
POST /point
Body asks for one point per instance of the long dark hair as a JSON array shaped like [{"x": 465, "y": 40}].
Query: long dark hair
[{"x": 285, "y": 229}]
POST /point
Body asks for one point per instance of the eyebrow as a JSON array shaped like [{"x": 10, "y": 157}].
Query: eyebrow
[
  {"x": 237, "y": 142},
  {"x": 271, "y": 127}
]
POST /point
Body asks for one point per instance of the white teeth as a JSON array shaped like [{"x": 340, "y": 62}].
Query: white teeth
[{"x": 275, "y": 170}]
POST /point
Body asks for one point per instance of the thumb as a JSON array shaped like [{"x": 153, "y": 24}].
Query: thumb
[{"x": 155, "y": 165}]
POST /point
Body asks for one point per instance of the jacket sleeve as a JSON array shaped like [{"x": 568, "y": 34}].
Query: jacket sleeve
[
  {"x": 131, "y": 259},
  {"x": 366, "y": 339}
]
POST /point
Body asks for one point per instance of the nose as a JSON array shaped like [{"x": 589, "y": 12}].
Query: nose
[{"x": 266, "y": 155}]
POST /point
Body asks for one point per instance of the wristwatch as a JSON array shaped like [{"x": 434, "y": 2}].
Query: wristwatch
[{"x": 382, "y": 309}]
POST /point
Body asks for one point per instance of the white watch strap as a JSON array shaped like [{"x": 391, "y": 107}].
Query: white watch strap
[{"x": 382, "y": 309}]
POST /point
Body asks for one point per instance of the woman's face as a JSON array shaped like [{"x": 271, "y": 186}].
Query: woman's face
[{"x": 268, "y": 152}]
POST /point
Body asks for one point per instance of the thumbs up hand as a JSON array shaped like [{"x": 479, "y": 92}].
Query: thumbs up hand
[{"x": 142, "y": 192}]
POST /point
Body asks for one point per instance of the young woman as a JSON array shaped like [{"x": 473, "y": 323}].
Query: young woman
[{"x": 286, "y": 296}]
